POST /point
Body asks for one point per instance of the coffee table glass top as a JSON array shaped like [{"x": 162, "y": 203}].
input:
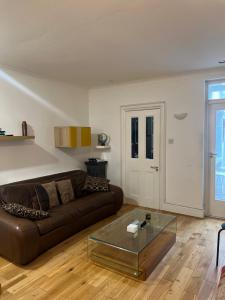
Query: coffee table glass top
[{"x": 115, "y": 234}]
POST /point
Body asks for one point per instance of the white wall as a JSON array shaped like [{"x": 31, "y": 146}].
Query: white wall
[
  {"x": 184, "y": 158},
  {"x": 43, "y": 104}
]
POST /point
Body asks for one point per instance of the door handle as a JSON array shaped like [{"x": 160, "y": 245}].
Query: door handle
[
  {"x": 155, "y": 168},
  {"x": 211, "y": 154}
]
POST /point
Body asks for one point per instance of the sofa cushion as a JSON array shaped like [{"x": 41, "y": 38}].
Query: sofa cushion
[
  {"x": 77, "y": 179},
  {"x": 50, "y": 188},
  {"x": 78, "y": 184},
  {"x": 56, "y": 219},
  {"x": 68, "y": 209},
  {"x": 21, "y": 211},
  {"x": 65, "y": 190},
  {"x": 91, "y": 202},
  {"x": 42, "y": 197},
  {"x": 96, "y": 184},
  {"x": 23, "y": 194}
]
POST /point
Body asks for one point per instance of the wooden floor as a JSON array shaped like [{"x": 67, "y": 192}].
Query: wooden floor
[{"x": 64, "y": 272}]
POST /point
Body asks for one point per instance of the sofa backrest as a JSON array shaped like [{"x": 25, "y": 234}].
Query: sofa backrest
[
  {"x": 23, "y": 192},
  {"x": 53, "y": 177}
]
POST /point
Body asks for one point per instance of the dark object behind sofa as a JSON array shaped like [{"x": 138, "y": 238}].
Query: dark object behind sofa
[{"x": 22, "y": 240}]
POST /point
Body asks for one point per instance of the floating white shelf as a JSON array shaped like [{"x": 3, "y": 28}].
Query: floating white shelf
[
  {"x": 103, "y": 147},
  {"x": 5, "y": 138}
]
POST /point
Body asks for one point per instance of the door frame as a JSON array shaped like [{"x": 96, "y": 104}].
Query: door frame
[
  {"x": 207, "y": 163},
  {"x": 162, "y": 151},
  {"x": 207, "y": 176}
]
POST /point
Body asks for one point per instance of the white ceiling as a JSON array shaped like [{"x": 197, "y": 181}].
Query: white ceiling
[{"x": 95, "y": 42}]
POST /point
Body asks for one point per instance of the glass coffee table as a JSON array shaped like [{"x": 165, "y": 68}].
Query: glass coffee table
[{"x": 134, "y": 255}]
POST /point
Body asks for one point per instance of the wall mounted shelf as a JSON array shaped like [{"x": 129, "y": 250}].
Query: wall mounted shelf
[
  {"x": 5, "y": 138},
  {"x": 72, "y": 137},
  {"x": 103, "y": 147}
]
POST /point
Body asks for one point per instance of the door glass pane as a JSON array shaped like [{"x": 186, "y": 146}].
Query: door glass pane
[
  {"x": 134, "y": 137},
  {"x": 149, "y": 137},
  {"x": 220, "y": 156},
  {"x": 216, "y": 90}
]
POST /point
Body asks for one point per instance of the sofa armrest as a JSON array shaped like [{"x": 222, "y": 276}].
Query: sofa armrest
[
  {"x": 18, "y": 238},
  {"x": 118, "y": 196}
]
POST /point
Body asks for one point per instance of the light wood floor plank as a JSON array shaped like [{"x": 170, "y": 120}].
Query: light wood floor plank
[{"x": 187, "y": 272}]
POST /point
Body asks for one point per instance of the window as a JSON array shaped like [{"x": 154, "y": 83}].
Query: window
[
  {"x": 134, "y": 137},
  {"x": 149, "y": 137},
  {"x": 216, "y": 90}
]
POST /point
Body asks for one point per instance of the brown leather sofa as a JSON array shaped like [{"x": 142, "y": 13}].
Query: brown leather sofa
[{"x": 22, "y": 240}]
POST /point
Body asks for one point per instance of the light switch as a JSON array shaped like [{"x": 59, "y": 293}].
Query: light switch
[{"x": 170, "y": 141}]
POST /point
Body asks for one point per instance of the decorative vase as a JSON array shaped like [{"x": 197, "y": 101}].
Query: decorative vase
[{"x": 24, "y": 128}]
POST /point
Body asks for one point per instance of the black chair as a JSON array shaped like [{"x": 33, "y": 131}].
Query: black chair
[{"x": 218, "y": 243}]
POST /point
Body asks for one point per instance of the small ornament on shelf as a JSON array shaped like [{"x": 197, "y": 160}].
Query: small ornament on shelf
[
  {"x": 24, "y": 128},
  {"x": 103, "y": 141}
]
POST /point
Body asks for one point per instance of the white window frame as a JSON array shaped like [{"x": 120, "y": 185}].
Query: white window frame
[
  {"x": 208, "y": 103},
  {"x": 213, "y": 101}
]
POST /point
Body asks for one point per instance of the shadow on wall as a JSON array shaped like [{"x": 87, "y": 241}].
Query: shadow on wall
[
  {"x": 44, "y": 110},
  {"x": 48, "y": 101},
  {"x": 81, "y": 154},
  {"x": 23, "y": 155},
  {"x": 30, "y": 130}
]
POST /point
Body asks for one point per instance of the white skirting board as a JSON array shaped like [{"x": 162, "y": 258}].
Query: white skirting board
[{"x": 189, "y": 211}]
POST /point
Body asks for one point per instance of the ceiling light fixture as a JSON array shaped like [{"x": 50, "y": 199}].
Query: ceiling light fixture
[{"x": 221, "y": 61}]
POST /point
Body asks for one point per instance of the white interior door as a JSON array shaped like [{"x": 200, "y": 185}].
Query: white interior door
[
  {"x": 142, "y": 153},
  {"x": 217, "y": 160}
]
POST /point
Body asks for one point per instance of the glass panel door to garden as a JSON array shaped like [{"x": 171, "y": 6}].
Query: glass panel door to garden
[
  {"x": 220, "y": 156},
  {"x": 216, "y": 110}
]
